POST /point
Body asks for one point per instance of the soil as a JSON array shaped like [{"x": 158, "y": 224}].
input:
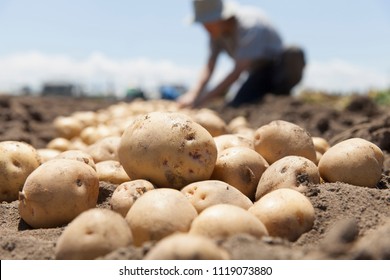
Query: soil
[{"x": 351, "y": 222}]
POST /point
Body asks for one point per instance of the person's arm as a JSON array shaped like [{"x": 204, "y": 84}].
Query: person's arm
[
  {"x": 189, "y": 98},
  {"x": 225, "y": 84}
]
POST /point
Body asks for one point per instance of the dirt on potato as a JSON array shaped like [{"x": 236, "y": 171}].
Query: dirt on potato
[{"x": 351, "y": 222}]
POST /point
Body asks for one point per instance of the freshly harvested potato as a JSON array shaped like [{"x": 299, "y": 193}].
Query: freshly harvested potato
[
  {"x": 224, "y": 220},
  {"x": 94, "y": 233},
  {"x": 285, "y": 213},
  {"x": 204, "y": 194},
  {"x": 67, "y": 127},
  {"x": 77, "y": 144},
  {"x": 159, "y": 213},
  {"x": 289, "y": 172},
  {"x": 240, "y": 167},
  {"x": 102, "y": 116},
  {"x": 77, "y": 155},
  {"x": 318, "y": 157},
  {"x": 246, "y": 132},
  {"x": 87, "y": 118},
  {"x": 184, "y": 246},
  {"x": 320, "y": 144},
  {"x": 127, "y": 193},
  {"x": 237, "y": 124},
  {"x": 167, "y": 149},
  {"x": 105, "y": 149},
  {"x": 210, "y": 120},
  {"x": 119, "y": 111},
  {"x": 57, "y": 191},
  {"x": 59, "y": 143},
  {"x": 47, "y": 154},
  {"x": 111, "y": 171},
  {"x": 281, "y": 138},
  {"x": 92, "y": 134},
  {"x": 122, "y": 124},
  {"x": 226, "y": 141},
  {"x": 355, "y": 161},
  {"x": 241, "y": 127},
  {"x": 17, "y": 161}
]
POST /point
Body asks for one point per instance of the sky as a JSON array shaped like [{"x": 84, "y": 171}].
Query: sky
[{"x": 119, "y": 44}]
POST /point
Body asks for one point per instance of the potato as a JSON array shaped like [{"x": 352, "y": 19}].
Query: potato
[
  {"x": 119, "y": 111},
  {"x": 122, "y": 124},
  {"x": 184, "y": 246},
  {"x": 127, "y": 193},
  {"x": 67, "y": 127},
  {"x": 105, "y": 149},
  {"x": 102, "y": 117},
  {"x": 204, "y": 194},
  {"x": 47, "y": 154},
  {"x": 76, "y": 143},
  {"x": 240, "y": 126},
  {"x": 111, "y": 171},
  {"x": 57, "y": 191},
  {"x": 224, "y": 220},
  {"x": 92, "y": 134},
  {"x": 246, "y": 132},
  {"x": 77, "y": 155},
  {"x": 288, "y": 172},
  {"x": 17, "y": 161},
  {"x": 318, "y": 157},
  {"x": 93, "y": 233},
  {"x": 87, "y": 118},
  {"x": 285, "y": 213},
  {"x": 159, "y": 213},
  {"x": 167, "y": 149},
  {"x": 237, "y": 124},
  {"x": 355, "y": 161},
  {"x": 240, "y": 167},
  {"x": 226, "y": 141},
  {"x": 280, "y": 138},
  {"x": 59, "y": 143},
  {"x": 210, "y": 120},
  {"x": 320, "y": 144}
]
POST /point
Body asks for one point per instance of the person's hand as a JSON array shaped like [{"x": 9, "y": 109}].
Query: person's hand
[{"x": 187, "y": 99}]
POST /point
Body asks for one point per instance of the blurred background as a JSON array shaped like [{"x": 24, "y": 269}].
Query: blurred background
[{"x": 115, "y": 48}]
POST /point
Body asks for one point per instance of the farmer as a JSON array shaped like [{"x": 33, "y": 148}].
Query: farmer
[{"x": 256, "y": 48}]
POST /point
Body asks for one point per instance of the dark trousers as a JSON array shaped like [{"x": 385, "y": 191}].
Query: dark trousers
[{"x": 277, "y": 77}]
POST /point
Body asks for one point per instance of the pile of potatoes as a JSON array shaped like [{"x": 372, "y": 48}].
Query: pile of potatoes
[{"x": 184, "y": 178}]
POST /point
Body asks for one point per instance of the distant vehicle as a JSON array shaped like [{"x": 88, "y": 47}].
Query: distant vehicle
[
  {"x": 61, "y": 89},
  {"x": 171, "y": 92},
  {"x": 134, "y": 93}
]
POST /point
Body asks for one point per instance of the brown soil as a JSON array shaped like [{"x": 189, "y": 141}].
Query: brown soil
[{"x": 351, "y": 222}]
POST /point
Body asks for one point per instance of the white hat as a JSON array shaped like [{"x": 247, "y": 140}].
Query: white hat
[{"x": 212, "y": 10}]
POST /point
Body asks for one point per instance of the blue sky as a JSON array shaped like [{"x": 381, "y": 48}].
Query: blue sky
[{"x": 119, "y": 43}]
